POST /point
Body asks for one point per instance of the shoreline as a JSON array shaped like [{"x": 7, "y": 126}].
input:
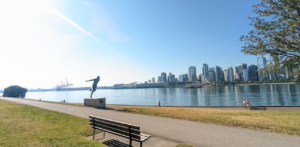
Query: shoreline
[{"x": 269, "y": 83}]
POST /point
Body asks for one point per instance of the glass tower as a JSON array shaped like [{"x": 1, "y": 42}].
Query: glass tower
[
  {"x": 192, "y": 73},
  {"x": 218, "y": 73},
  {"x": 204, "y": 72}
]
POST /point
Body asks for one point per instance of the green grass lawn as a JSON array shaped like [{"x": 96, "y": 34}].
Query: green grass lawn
[
  {"x": 286, "y": 122},
  {"x": 22, "y": 125}
]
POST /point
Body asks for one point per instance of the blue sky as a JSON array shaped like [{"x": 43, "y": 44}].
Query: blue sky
[{"x": 44, "y": 42}]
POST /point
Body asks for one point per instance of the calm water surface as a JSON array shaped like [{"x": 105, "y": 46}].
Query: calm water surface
[{"x": 259, "y": 95}]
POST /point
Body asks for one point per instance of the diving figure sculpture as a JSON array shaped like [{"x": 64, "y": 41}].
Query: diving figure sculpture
[{"x": 94, "y": 86}]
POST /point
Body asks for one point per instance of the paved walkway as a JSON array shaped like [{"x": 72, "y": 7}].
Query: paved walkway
[{"x": 175, "y": 130}]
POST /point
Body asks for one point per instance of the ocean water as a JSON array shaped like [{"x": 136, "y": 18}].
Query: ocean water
[{"x": 258, "y": 95}]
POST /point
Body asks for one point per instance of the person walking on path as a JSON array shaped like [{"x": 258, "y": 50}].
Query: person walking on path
[
  {"x": 94, "y": 86},
  {"x": 244, "y": 103},
  {"x": 247, "y": 103}
]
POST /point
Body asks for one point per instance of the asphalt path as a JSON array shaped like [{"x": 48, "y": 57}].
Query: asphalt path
[{"x": 193, "y": 133}]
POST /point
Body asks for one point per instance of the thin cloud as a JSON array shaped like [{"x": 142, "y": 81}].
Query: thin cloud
[{"x": 76, "y": 26}]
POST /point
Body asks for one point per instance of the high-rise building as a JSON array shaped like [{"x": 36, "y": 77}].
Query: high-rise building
[
  {"x": 163, "y": 77},
  {"x": 222, "y": 75},
  {"x": 245, "y": 74},
  {"x": 261, "y": 62},
  {"x": 226, "y": 73},
  {"x": 159, "y": 79},
  {"x": 171, "y": 77},
  {"x": 192, "y": 73},
  {"x": 211, "y": 76},
  {"x": 183, "y": 77},
  {"x": 199, "y": 77},
  {"x": 153, "y": 80},
  {"x": 242, "y": 66},
  {"x": 218, "y": 74},
  {"x": 261, "y": 75},
  {"x": 204, "y": 72},
  {"x": 296, "y": 69},
  {"x": 230, "y": 74},
  {"x": 237, "y": 77},
  {"x": 235, "y": 71},
  {"x": 253, "y": 75},
  {"x": 272, "y": 76}
]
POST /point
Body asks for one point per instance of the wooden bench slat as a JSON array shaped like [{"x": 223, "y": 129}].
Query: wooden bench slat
[
  {"x": 146, "y": 135},
  {"x": 115, "y": 126},
  {"x": 115, "y": 122},
  {"x": 134, "y": 136}
]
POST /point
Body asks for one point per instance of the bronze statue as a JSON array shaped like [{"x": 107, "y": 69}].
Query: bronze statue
[{"x": 94, "y": 86}]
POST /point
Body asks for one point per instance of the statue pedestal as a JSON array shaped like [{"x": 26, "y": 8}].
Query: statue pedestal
[{"x": 95, "y": 102}]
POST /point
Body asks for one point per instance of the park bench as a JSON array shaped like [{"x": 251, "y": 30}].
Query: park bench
[
  {"x": 130, "y": 131},
  {"x": 257, "y": 108}
]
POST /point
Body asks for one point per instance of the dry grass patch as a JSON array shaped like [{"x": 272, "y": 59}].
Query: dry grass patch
[
  {"x": 286, "y": 122},
  {"x": 183, "y": 145}
]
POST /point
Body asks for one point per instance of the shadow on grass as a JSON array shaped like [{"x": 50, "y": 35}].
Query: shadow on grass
[
  {"x": 116, "y": 109},
  {"x": 115, "y": 143}
]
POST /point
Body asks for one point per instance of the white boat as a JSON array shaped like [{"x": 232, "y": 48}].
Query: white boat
[{"x": 194, "y": 85}]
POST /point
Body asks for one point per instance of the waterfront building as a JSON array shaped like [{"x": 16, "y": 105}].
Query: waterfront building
[
  {"x": 242, "y": 66},
  {"x": 272, "y": 76},
  {"x": 163, "y": 77},
  {"x": 159, "y": 79},
  {"x": 245, "y": 74},
  {"x": 261, "y": 62},
  {"x": 183, "y": 77},
  {"x": 237, "y": 77},
  {"x": 281, "y": 73},
  {"x": 218, "y": 74},
  {"x": 192, "y": 73},
  {"x": 199, "y": 77},
  {"x": 149, "y": 81},
  {"x": 230, "y": 74},
  {"x": 171, "y": 77},
  {"x": 222, "y": 75},
  {"x": 253, "y": 75},
  {"x": 204, "y": 72},
  {"x": 211, "y": 69},
  {"x": 235, "y": 71},
  {"x": 288, "y": 71},
  {"x": 211, "y": 76},
  {"x": 153, "y": 80},
  {"x": 226, "y": 74},
  {"x": 261, "y": 75},
  {"x": 296, "y": 69}
]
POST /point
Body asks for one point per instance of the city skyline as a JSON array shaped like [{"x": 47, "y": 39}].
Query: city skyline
[{"x": 45, "y": 42}]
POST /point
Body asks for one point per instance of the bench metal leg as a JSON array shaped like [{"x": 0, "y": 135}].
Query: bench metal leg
[
  {"x": 130, "y": 142},
  {"x": 141, "y": 144},
  {"x": 103, "y": 136},
  {"x": 94, "y": 134}
]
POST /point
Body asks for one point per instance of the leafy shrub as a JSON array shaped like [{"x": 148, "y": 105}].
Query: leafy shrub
[
  {"x": 296, "y": 80},
  {"x": 15, "y": 91}
]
